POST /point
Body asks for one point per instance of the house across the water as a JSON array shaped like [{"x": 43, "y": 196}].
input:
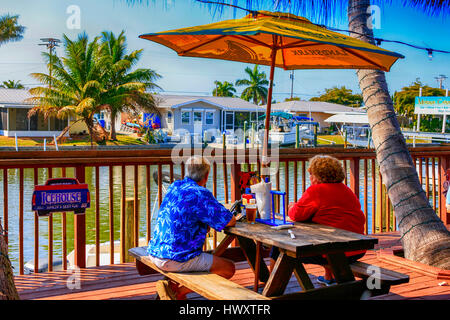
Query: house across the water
[
  {"x": 14, "y": 118},
  {"x": 200, "y": 113},
  {"x": 317, "y": 110}
]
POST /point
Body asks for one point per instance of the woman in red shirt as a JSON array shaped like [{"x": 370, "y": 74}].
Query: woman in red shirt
[{"x": 329, "y": 202}]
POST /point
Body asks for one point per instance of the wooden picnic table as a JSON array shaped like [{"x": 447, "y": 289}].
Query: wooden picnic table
[{"x": 310, "y": 240}]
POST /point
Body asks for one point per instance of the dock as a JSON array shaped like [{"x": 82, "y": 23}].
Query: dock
[
  {"x": 116, "y": 176},
  {"x": 122, "y": 282}
]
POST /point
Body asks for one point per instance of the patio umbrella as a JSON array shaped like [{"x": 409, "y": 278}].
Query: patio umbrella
[{"x": 278, "y": 40}]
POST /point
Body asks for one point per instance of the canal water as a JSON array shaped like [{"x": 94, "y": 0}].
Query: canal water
[{"x": 13, "y": 206}]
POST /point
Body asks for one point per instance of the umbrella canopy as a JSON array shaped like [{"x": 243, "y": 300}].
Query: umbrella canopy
[
  {"x": 278, "y": 40},
  {"x": 300, "y": 44}
]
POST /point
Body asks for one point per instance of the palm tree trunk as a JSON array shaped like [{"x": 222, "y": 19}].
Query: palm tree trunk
[
  {"x": 112, "y": 133},
  {"x": 8, "y": 289},
  {"x": 424, "y": 237},
  {"x": 90, "y": 126},
  {"x": 66, "y": 129}
]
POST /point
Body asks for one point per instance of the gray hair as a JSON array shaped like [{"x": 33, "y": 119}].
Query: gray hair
[{"x": 197, "y": 168}]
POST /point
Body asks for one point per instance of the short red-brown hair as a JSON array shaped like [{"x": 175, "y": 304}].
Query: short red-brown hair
[{"x": 326, "y": 169}]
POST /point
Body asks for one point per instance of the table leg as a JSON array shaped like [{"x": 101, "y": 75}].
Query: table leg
[
  {"x": 340, "y": 267},
  {"x": 249, "y": 248},
  {"x": 223, "y": 245},
  {"x": 257, "y": 265},
  {"x": 280, "y": 275},
  {"x": 302, "y": 276}
]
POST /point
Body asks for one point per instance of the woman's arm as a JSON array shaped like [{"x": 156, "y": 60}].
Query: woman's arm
[{"x": 305, "y": 208}]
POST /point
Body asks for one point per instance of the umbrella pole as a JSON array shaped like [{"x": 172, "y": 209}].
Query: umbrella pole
[{"x": 265, "y": 162}]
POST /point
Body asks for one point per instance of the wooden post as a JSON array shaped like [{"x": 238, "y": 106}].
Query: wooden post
[
  {"x": 127, "y": 238},
  {"x": 21, "y": 217},
  {"x": 80, "y": 226},
  {"x": 354, "y": 176},
  {"x": 245, "y": 135},
  {"x": 345, "y": 138},
  {"x": 381, "y": 203},
  {"x": 235, "y": 177},
  {"x": 224, "y": 142},
  {"x": 235, "y": 190}
]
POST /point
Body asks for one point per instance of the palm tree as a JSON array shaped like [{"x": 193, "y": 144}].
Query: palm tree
[
  {"x": 126, "y": 88},
  {"x": 10, "y": 30},
  {"x": 424, "y": 237},
  {"x": 11, "y": 84},
  {"x": 223, "y": 89},
  {"x": 76, "y": 84},
  {"x": 256, "y": 86}
]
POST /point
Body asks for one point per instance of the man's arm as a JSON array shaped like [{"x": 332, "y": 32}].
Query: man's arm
[{"x": 232, "y": 222}]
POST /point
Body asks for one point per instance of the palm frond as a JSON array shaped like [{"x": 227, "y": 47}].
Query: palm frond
[
  {"x": 10, "y": 30},
  {"x": 328, "y": 12}
]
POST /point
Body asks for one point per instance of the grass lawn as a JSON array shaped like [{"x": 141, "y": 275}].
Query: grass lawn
[
  {"x": 338, "y": 139},
  {"x": 326, "y": 139},
  {"x": 122, "y": 140}
]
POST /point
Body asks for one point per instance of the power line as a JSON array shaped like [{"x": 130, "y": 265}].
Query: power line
[{"x": 377, "y": 40}]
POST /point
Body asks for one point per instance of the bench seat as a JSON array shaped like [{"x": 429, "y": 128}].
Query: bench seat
[
  {"x": 387, "y": 277},
  {"x": 209, "y": 285}
]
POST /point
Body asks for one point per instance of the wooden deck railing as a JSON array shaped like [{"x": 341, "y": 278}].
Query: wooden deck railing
[{"x": 362, "y": 176}]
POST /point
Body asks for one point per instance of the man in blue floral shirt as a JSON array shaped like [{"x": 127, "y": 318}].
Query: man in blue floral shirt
[{"x": 185, "y": 215}]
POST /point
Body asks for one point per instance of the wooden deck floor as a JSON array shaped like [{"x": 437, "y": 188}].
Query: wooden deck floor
[{"x": 119, "y": 282}]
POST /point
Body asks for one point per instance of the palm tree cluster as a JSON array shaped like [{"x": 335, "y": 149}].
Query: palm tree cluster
[
  {"x": 93, "y": 76},
  {"x": 11, "y": 84},
  {"x": 255, "y": 87}
]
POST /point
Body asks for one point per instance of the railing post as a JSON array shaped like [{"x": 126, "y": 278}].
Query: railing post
[
  {"x": 444, "y": 165},
  {"x": 127, "y": 239},
  {"x": 235, "y": 177},
  {"x": 354, "y": 176},
  {"x": 80, "y": 226},
  {"x": 235, "y": 190}
]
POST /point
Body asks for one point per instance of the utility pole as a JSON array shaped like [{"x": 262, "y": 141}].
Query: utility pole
[
  {"x": 291, "y": 76},
  {"x": 440, "y": 79},
  {"x": 50, "y": 43}
]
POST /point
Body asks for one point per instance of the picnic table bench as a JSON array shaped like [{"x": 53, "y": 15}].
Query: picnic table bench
[
  {"x": 208, "y": 285},
  {"x": 311, "y": 240}
]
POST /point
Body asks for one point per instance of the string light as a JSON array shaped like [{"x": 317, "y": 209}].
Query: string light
[{"x": 378, "y": 41}]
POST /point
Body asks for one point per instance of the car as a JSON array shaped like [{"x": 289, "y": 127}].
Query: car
[{"x": 61, "y": 195}]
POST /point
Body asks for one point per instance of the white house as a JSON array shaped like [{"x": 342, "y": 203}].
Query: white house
[
  {"x": 14, "y": 118},
  {"x": 201, "y": 113}
]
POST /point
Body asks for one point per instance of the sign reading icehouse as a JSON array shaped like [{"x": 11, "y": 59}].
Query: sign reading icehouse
[{"x": 432, "y": 105}]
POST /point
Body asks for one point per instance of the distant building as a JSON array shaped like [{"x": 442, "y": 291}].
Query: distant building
[
  {"x": 14, "y": 118},
  {"x": 195, "y": 113},
  {"x": 319, "y": 111}
]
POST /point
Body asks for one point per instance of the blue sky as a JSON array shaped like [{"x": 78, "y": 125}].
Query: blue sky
[{"x": 182, "y": 75}]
